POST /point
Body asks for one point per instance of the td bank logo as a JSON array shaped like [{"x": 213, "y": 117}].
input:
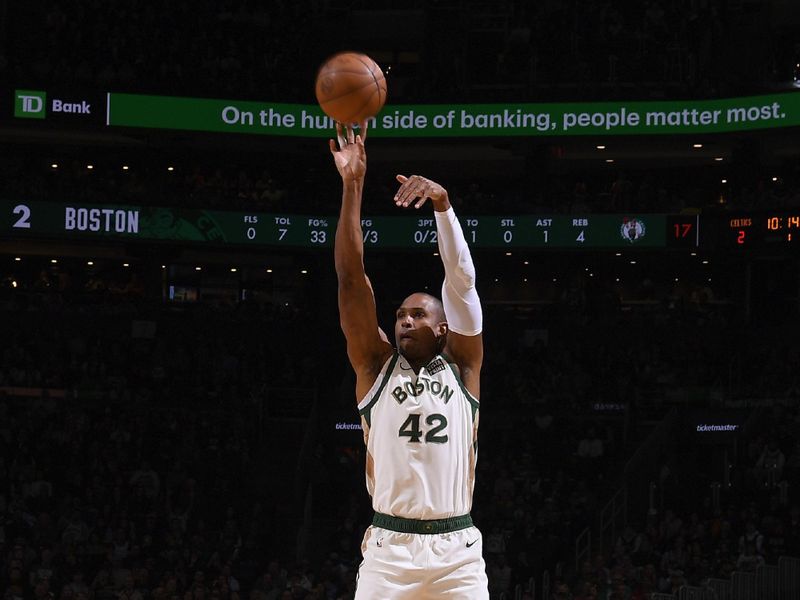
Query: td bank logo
[{"x": 29, "y": 104}]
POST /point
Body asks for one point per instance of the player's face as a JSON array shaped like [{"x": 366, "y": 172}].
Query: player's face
[{"x": 417, "y": 327}]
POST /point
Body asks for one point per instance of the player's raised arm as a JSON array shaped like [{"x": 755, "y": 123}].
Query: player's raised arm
[
  {"x": 462, "y": 306},
  {"x": 366, "y": 348}
]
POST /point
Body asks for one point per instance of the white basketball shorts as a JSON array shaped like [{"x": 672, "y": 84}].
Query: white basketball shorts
[{"x": 413, "y": 566}]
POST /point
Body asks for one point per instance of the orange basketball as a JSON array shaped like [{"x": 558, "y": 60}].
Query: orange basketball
[{"x": 350, "y": 87}]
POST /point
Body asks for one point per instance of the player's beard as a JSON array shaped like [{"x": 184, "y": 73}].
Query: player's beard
[{"x": 422, "y": 345}]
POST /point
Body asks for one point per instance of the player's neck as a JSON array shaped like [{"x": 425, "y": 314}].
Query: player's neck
[{"x": 418, "y": 363}]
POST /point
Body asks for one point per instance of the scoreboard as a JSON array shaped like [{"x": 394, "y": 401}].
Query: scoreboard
[
  {"x": 762, "y": 229},
  {"x": 71, "y": 221}
]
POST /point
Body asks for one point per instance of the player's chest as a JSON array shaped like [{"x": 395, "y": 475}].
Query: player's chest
[
  {"x": 409, "y": 392},
  {"x": 420, "y": 410},
  {"x": 433, "y": 386}
]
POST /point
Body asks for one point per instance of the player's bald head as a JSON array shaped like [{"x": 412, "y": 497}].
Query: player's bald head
[{"x": 430, "y": 303}]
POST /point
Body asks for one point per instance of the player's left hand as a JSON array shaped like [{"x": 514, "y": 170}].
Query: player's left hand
[
  {"x": 350, "y": 156},
  {"x": 416, "y": 190}
]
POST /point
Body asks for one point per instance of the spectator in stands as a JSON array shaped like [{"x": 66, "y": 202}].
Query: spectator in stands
[
  {"x": 591, "y": 445},
  {"x": 675, "y": 558},
  {"x": 647, "y": 583},
  {"x": 495, "y": 542},
  {"x": 749, "y": 559},
  {"x": 561, "y": 591},
  {"x": 776, "y": 544},
  {"x": 77, "y": 586},
  {"x": 588, "y": 591},
  {"x": 769, "y": 466},
  {"x": 504, "y": 486},
  {"x": 500, "y": 575},
  {"x": 619, "y": 590},
  {"x": 590, "y": 453},
  {"x": 672, "y": 581},
  {"x": 628, "y": 543},
  {"x": 751, "y": 536}
]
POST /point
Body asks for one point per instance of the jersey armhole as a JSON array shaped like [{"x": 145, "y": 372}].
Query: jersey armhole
[
  {"x": 474, "y": 403},
  {"x": 365, "y": 406}
]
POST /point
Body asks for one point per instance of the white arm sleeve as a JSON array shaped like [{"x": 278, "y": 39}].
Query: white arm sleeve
[{"x": 462, "y": 306}]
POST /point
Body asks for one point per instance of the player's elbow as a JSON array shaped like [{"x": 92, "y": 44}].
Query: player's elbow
[
  {"x": 468, "y": 279},
  {"x": 349, "y": 279},
  {"x": 466, "y": 272},
  {"x": 349, "y": 268}
]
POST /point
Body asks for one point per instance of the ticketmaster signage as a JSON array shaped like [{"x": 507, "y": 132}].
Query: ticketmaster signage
[{"x": 463, "y": 120}]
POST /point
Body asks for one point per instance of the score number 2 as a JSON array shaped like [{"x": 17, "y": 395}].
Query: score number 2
[{"x": 24, "y": 213}]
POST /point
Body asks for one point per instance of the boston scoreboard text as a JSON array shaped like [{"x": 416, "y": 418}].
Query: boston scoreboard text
[{"x": 59, "y": 221}]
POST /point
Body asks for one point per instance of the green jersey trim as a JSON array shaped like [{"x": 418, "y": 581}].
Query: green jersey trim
[
  {"x": 366, "y": 411},
  {"x": 473, "y": 402}
]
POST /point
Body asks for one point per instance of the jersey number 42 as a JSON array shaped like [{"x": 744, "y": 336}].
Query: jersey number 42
[{"x": 410, "y": 429}]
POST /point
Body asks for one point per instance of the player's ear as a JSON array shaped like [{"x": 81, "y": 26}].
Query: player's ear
[{"x": 441, "y": 336}]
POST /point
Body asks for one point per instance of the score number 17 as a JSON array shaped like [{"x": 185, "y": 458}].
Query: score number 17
[{"x": 682, "y": 230}]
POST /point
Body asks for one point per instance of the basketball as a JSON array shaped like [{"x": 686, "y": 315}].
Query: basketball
[{"x": 350, "y": 87}]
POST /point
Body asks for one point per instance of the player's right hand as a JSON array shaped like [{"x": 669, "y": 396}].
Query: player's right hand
[
  {"x": 350, "y": 156},
  {"x": 416, "y": 190}
]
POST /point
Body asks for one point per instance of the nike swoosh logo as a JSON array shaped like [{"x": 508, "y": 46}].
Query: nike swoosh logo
[
  {"x": 406, "y": 368},
  {"x": 472, "y": 543}
]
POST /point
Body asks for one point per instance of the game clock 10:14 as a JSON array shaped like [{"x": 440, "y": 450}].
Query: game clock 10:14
[{"x": 788, "y": 222}]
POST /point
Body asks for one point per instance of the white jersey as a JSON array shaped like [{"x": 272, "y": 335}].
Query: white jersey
[{"x": 421, "y": 433}]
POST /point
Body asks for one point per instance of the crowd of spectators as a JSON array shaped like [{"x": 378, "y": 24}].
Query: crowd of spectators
[
  {"x": 285, "y": 184},
  {"x": 239, "y": 49},
  {"x": 694, "y": 539},
  {"x": 151, "y": 484},
  {"x": 135, "y": 460},
  {"x": 139, "y": 358},
  {"x": 124, "y": 499},
  {"x": 589, "y": 48},
  {"x": 669, "y": 48}
]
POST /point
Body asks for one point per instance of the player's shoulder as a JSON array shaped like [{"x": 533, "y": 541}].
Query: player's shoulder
[
  {"x": 383, "y": 364},
  {"x": 452, "y": 364},
  {"x": 468, "y": 377},
  {"x": 369, "y": 375}
]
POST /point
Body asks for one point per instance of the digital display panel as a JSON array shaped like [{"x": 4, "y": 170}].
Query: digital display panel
[{"x": 118, "y": 222}]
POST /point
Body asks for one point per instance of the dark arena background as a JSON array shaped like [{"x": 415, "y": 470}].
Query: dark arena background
[{"x": 177, "y": 416}]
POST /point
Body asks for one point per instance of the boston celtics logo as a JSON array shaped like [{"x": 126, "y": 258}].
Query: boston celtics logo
[{"x": 632, "y": 230}]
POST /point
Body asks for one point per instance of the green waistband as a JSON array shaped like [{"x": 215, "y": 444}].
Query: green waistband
[{"x": 430, "y": 526}]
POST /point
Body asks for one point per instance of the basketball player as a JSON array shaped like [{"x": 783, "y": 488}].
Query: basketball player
[{"x": 418, "y": 403}]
